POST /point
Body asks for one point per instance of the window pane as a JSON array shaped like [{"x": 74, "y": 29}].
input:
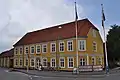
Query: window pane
[
  {"x": 82, "y": 44},
  {"x": 62, "y": 62},
  {"x": 94, "y": 46},
  {"x": 53, "y": 62},
  {"x": 70, "y": 62},
  {"x": 53, "y": 47},
  {"x": 20, "y": 50},
  {"x": 70, "y": 46},
  {"x": 32, "y": 49},
  {"x": 32, "y": 62},
  {"x": 26, "y": 50},
  {"x": 38, "y": 49},
  {"x": 44, "y": 48},
  {"x": 20, "y": 62},
  {"x": 44, "y": 62},
  {"x": 61, "y": 46}
]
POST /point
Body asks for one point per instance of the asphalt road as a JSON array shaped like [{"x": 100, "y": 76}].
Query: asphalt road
[{"x": 6, "y": 75}]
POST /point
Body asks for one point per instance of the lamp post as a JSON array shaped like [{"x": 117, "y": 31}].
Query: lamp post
[{"x": 57, "y": 50}]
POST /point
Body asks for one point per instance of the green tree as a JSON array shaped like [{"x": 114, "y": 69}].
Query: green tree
[{"x": 113, "y": 43}]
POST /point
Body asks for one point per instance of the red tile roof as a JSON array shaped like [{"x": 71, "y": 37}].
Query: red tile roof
[
  {"x": 8, "y": 53},
  {"x": 52, "y": 33}
]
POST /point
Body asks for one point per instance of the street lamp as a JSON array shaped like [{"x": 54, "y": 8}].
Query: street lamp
[{"x": 57, "y": 50}]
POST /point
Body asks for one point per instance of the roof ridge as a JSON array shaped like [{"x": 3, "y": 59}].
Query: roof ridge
[{"x": 57, "y": 25}]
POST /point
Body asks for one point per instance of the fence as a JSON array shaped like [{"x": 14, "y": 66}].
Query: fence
[{"x": 90, "y": 68}]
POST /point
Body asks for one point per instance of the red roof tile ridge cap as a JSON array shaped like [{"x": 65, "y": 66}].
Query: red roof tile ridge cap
[{"x": 54, "y": 26}]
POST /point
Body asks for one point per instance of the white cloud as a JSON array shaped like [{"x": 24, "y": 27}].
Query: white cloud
[{"x": 29, "y": 15}]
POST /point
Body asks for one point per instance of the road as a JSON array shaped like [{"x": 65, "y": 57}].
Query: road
[{"x": 6, "y": 75}]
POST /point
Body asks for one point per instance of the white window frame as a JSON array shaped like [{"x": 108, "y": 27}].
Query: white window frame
[
  {"x": 68, "y": 45},
  {"x": 83, "y": 61},
  {"x": 20, "y": 61},
  {"x": 51, "y": 47},
  {"x": 21, "y": 50},
  {"x": 43, "y": 48},
  {"x": 27, "y": 49},
  {"x": 79, "y": 41},
  {"x": 94, "y": 33},
  {"x": 60, "y": 62},
  {"x": 68, "y": 62},
  {"x": 94, "y": 46},
  {"x": 37, "y": 49},
  {"x": 94, "y": 60},
  {"x": 33, "y": 61},
  {"x": 100, "y": 60},
  {"x": 60, "y": 46},
  {"x": 43, "y": 62},
  {"x": 51, "y": 62},
  {"x": 16, "y": 61},
  {"x": 31, "y": 49}
]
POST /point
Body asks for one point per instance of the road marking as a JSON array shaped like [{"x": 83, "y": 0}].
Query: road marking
[
  {"x": 6, "y": 70},
  {"x": 36, "y": 76}
]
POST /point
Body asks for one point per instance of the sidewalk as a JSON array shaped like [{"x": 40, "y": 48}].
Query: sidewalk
[{"x": 62, "y": 74}]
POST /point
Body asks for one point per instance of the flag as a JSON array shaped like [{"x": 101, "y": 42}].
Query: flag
[
  {"x": 76, "y": 16},
  {"x": 103, "y": 16}
]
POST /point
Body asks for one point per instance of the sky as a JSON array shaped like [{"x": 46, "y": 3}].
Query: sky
[{"x": 17, "y": 17}]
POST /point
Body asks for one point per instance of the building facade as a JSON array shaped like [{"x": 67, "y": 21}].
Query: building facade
[
  {"x": 56, "y": 47},
  {"x": 6, "y": 58}
]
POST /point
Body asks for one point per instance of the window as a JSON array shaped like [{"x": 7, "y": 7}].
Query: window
[
  {"x": 94, "y": 33},
  {"x": 38, "y": 49},
  {"x": 26, "y": 50},
  {"x": 44, "y": 48},
  {"x": 20, "y": 62},
  {"x": 21, "y": 51},
  {"x": 16, "y": 62},
  {"x": 62, "y": 62},
  {"x": 94, "y": 46},
  {"x": 82, "y": 45},
  {"x": 26, "y": 62},
  {"x": 70, "y": 45},
  {"x": 32, "y": 63},
  {"x": 61, "y": 46},
  {"x": 53, "y": 62},
  {"x": 53, "y": 47},
  {"x": 70, "y": 62},
  {"x": 82, "y": 62},
  {"x": 32, "y": 49},
  {"x": 16, "y": 51},
  {"x": 45, "y": 62},
  {"x": 99, "y": 61},
  {"x": 93, "y": 61}
]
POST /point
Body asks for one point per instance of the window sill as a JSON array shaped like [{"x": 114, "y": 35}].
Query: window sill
[{"x": 70, "y": 50}]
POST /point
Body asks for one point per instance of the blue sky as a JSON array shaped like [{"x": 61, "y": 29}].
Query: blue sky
[
  {"x": 24, "y": 16},
  {"x": 93, "y": 10}
]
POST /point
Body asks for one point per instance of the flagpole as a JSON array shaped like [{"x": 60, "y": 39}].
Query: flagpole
[
  {"x": 106, "y": 58},
  {"x": 76, "y": 35}
]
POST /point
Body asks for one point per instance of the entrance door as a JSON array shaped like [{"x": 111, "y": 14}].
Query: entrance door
[
  {"x": 38, "y": 63},
  {"x": 11, "y": 63}
]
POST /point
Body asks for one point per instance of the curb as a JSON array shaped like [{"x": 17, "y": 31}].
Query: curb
[{"x": 65, "y": 76}]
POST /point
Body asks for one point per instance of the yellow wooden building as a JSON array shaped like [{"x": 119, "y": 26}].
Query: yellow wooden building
[{"x": 56, "y": 47}]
